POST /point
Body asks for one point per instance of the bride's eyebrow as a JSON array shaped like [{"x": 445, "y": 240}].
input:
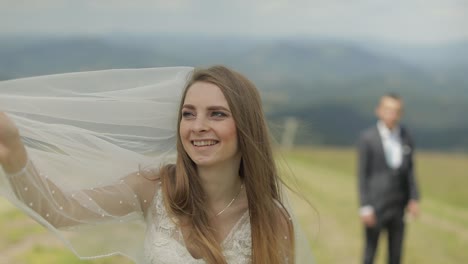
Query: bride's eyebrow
[
  {"x": 218, "y": 107},
  {"x": 211, "y": 108},
  {"x": 189, "y": 106}
]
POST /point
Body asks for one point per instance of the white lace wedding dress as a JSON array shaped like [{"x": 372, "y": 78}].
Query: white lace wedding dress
[{"x": 164, "y": 243}]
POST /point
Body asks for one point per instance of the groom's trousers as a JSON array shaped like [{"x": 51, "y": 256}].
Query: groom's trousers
[{"x": 395, "y": 227}]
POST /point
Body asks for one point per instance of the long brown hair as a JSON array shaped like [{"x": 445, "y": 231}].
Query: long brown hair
[{"x": 183, "y": 193}]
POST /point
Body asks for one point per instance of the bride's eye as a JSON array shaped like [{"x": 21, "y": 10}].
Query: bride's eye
[
  {"x": 187, "y": 114},
  {"x": 218, "y": 114}
]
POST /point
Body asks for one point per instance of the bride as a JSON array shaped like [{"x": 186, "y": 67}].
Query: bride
[{"x": 90, "y": 157}]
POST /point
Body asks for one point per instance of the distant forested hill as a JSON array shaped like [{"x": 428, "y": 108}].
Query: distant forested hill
[{"x": 331, "y": 86}]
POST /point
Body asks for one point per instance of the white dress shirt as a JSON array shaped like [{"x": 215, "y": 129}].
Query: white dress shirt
[{"x": 392, "y": 146}]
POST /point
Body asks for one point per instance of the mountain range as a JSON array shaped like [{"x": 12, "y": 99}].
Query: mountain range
[{"x": 331, "y": 86}]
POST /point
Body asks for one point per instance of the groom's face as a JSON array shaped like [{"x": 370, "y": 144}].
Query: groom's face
[{"x": 390, "y": 111}]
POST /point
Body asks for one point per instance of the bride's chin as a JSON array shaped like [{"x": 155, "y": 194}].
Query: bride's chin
[{"x": 203, "y": 161}]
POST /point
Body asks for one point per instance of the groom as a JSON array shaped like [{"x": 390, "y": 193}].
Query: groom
[{"x": 387, "y": 185}]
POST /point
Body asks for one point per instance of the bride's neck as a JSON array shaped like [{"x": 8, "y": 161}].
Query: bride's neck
[{"x": 220, "y": 183}]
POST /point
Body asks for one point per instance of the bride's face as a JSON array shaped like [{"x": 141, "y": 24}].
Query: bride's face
[{"x": 207, "y": 129}]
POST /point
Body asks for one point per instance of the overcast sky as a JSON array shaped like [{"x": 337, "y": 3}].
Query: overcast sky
[{"x": 413, "y": 21}]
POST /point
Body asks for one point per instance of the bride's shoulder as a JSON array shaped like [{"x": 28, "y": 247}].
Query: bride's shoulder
[
  {"x": 144, "y": 184},
  {"x": 149, "y": 180},
  {"x": 143, "y": 179}
]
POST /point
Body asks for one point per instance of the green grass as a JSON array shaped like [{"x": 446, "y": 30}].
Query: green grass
[
  {"x": 42, "y": 254},
  {"x": 327, "y": 177},
  {"x": 14, "y": 227},
  {"x": 439, "y": 235}
]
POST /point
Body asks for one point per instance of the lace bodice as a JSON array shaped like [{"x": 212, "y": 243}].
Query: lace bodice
[{"x": 164, "y": 243}]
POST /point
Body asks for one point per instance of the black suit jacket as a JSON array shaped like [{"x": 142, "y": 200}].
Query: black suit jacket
[{"x": 387, "y": 190}]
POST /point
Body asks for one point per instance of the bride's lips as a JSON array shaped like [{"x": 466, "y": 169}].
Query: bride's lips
[{"x": 204, "y": 142}]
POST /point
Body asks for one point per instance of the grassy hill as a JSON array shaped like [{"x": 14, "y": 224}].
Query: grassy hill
[
  {"x": 327, "y": 178},
  {"x": 439, "y": 235}
]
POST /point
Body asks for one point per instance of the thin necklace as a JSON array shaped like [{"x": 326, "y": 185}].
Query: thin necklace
[{"x": 233, "y": 199}]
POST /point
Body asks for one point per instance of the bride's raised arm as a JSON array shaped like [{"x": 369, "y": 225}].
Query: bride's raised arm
[
  {"x": 67, "y": 206},
  {"x": 130, "y": 195}
]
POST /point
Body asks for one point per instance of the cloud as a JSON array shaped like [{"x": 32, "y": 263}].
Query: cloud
[{"x": 397, "y": 20}]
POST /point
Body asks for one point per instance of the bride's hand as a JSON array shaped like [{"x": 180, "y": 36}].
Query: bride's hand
[{"x": 12, "y": 152}]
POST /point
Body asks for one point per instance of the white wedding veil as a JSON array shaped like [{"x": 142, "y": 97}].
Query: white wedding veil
[
  {"x": 89, "y": 129},
  {"x": 85, "y": 132}
]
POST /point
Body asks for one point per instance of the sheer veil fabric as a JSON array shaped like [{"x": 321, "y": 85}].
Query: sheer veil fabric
[{"x": 86, "y": 134}]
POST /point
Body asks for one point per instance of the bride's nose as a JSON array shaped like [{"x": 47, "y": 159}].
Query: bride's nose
[{"x": 200, "y": 124}]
